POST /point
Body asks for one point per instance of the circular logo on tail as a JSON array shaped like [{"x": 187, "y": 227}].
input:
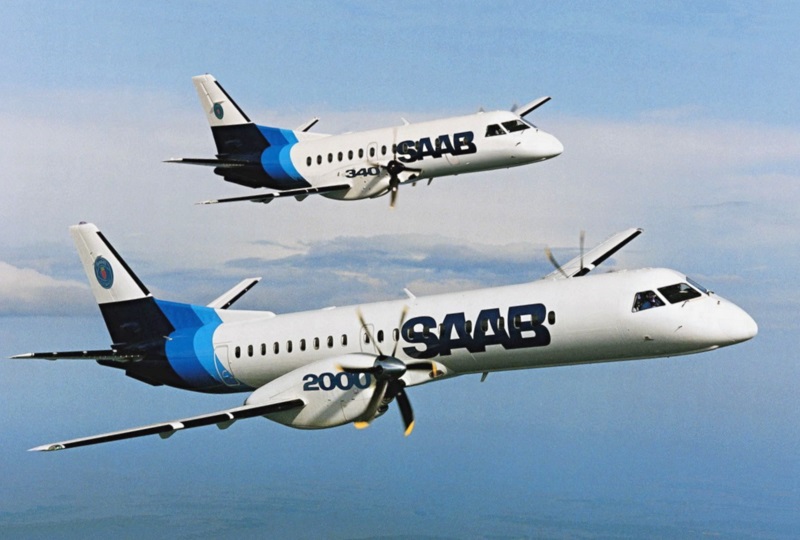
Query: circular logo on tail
[
  {"x": 103, "y": 272},
  {"x": 218, "y": 112}
]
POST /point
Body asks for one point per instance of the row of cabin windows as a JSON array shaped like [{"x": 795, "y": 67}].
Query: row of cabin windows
[
  {"x": 350, "y": 155},
  {"x": 302, "y": 345},
  {"x": 380, "y": 336}
]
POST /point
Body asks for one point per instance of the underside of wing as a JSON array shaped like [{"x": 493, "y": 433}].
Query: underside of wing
[
  {"x": 585, "y": 263},
  {"x": 222, "y": 419},
  {"x": 300, "y": 193}
]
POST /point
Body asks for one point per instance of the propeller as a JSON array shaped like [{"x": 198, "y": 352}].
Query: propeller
[
  {"x": 387, "y": 371},
  {"x": 394, "y": 168},
  {"x": 554, "y": 262}
]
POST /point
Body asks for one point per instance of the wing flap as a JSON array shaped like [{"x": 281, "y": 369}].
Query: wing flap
[
  {"x": 269, "y": 197},
  {"x": 595, "y": 256},
  {"x": 222, "y": 419}
]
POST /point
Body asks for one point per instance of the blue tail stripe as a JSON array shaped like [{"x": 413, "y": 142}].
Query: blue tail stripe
[
  {"x": 276, "y": 158},
  {"x": 190, "y": 348}
]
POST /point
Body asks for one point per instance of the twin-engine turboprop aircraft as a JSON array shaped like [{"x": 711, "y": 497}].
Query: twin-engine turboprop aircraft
[
  {"x": 326, "y": 368},
  {"x": 365, "y": 164}
]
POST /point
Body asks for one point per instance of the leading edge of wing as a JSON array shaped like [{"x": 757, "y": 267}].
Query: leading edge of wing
[
  {"x": 223, "y": 420},
  {"x": 268, "y": 197}
]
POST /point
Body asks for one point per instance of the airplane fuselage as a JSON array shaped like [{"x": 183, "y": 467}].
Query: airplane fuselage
[
  {"x": 438, "y": 148},
  {"x": 539, "y": 324}
]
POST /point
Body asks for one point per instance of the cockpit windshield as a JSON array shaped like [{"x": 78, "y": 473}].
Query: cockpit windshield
[
  {"x": 515, "y": 125},
  {"x": 697, "y": 286},
  {"x": 680, "y": 292},
  {"x": 511, "y": 126},
  {"x": 646, "y": 300}
]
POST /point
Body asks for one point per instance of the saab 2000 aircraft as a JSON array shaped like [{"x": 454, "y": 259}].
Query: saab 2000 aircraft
[
  {"x": 326, "y": 368},
  {"x": 366, "y": 164}
]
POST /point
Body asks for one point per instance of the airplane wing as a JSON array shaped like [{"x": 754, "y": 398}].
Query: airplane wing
[
  {"x": 300, "y": 193},
  {"x": 106, "y": 354},
  {"x": 223, "y": 420},
  {"x": 582, "y": 265}
]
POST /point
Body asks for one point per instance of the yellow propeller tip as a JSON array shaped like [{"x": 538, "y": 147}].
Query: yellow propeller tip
[
  {"x": 361, "y": 425},
  {"x": 409, "y": 429}
]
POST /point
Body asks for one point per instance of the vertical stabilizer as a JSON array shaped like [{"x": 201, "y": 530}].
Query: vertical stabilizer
[
  {"x": 220, "y": 109},
  {"x": 109, "y": 276}
]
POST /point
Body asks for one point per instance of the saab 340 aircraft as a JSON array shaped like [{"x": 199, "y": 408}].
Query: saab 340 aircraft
[
  {"x": 335, "y": 366},
  {"x": 366, "y": 164}
]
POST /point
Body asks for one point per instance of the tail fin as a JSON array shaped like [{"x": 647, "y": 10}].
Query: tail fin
[
  {"x": 220, "y": 109},
  {"x": 235, "y": 135},
  {"x": 132, "y": 315}
]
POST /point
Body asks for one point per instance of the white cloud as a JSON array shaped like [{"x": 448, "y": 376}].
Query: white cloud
[{"x": 24, "y": 291}]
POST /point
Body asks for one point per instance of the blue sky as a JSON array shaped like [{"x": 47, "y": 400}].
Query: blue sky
[{"x": 680, "y": 118}]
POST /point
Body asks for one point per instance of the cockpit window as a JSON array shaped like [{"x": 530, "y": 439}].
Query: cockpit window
[
  {"x": 697, "y": 286},
  {"x": 515, "y": 125},
  {"x": 493, "y": 130},
  {"x": 646, "y": 300},
  {"x": 679, "y": 292}
]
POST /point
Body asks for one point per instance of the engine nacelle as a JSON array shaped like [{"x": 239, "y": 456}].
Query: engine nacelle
[{"x": 332, "y": 397}]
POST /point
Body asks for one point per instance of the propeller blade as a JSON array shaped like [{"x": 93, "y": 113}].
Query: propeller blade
[
  {"x": 555, "y": 263},
  {"x": 400, "y": 328},
  {"x": 423, "y": 366},
  {"x": 393, "y": 199},
  {"x": 405, "y": 410},
  {"x": 366, "y": 329},
  {"x": 583, "y": 239}
]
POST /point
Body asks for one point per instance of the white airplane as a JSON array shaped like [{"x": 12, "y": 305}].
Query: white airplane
[
  {"x": 365, "y": 164},
  {"x": 335, "y": 366}
]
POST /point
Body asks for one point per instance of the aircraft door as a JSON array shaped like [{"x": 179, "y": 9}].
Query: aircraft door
[{"x": 222, "y": 362}]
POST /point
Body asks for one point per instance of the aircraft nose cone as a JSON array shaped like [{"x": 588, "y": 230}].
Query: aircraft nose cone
[
  {"x": 547, "y": 146},
  {"x": 737, "y": 324}
]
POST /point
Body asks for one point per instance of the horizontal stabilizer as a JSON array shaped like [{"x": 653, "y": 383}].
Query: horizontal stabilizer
[
  {"x": 269, "y": 197},
  {"x": 225, "y": 300},
  {"x": 222, "y": 419},
  {"x": 583, "y": 264},
  {"x": 109, "y": 354},
  {"x": 530, "y": 107},
  {"x": 211, "y": 162}
]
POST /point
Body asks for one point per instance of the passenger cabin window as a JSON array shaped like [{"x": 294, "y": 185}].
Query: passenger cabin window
[
  {"x": 379, "y": 337},
  {"x": 316, "y": 343},
  {"x": 344, "y": 340},
  {"x": 302, "y": 344},
  {"x": 319, "y": 160},
  {"x": 276, "y": 348},
  {"x": 289, "y": 346},
  {"x": 330, "y": 342},
  {"x": 263, "y": 349},
  {"x": 515, "y": 125},
  {"x": 360, "y": 152},
  {"x": 349, "y": 154},
  {"x": 680, "y": 292},
  {"x": 494, "y": 130},
  {"x": 396, "y": 334},
  {"x": 237, "y": 352},
  {"x": 249, "y": 350},
  {"x": 646, "y": 300},
  {"x": 366, "y": 338},
  {"x": 308, "y": 161}
]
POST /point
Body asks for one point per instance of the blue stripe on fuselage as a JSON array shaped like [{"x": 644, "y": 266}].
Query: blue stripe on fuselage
[
  {"x": 276, "y": 159},
  {"x": 190, "y": 348}
]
